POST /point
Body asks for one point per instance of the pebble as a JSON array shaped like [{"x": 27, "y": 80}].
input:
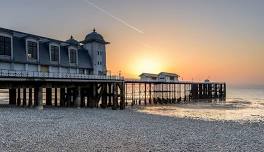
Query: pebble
[{"x": 70, "y": 129}]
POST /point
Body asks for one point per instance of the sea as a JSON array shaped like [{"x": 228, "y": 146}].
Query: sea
[{"x": 241, "y": 104}]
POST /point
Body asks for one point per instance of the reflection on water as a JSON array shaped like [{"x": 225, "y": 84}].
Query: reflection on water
[{"x": 240, "y": 105}]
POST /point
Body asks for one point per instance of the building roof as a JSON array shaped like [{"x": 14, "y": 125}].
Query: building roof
[
  {"x": 19, "y": 48},
  {"x": 168, "y": 74},
  {"x": 72, "y": 41},
  {"x": 148, "y": 75},
  {"x": 94, "y": 37}
]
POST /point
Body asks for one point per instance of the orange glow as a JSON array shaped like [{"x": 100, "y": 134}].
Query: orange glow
[{"x": 146, "y": 65}]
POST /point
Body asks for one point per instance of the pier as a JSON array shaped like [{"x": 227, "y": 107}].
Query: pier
[
  {"x": 31, "y": 89},
  {"x": 36, "y": 89},
  {"x": 140, "y": 92}
]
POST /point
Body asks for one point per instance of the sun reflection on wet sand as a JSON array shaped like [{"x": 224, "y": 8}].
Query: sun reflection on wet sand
[{"x": 233, "y": 110}]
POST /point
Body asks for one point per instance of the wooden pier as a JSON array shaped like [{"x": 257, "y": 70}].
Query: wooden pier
[
  {"x": 31, "y": 90},
  {"x": 140, "y": 92},
  {"x": 39, "y": 90}
]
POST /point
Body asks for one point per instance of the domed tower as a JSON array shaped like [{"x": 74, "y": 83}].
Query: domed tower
[{"x": 95, "y": 44}]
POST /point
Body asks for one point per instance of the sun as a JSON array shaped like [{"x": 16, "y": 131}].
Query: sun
[{"x": 147, "y": 65}]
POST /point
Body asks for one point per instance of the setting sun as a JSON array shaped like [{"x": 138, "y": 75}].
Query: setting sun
[{"x": 146, "y": 65}]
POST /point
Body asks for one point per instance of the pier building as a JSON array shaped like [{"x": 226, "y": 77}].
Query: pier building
[
  {"x": 68, "y": 73},
  {"x": 162, "y": 76}
]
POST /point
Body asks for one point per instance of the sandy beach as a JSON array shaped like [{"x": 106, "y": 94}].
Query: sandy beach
[{"x": 69, "y": 129}]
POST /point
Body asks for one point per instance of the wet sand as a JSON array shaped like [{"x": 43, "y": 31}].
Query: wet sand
[{"x": 70, "y": 129}]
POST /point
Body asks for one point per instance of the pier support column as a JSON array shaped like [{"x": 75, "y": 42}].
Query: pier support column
[
  {"x": 104, "y": 96},
  {"x": 39, "y": 98},
  {"x": 145, "y": 94},
  {"x": 132, "y": 96},
  {"x": 48, "y": 96},
  {"x": 24, "y": 96},
  {"x": 35, "y": 96},
  {"x": 139, "y": 94},
  {"x": 224, "y": 90},
  {"x": 122, "y": 92},
  {"x": 62, "y": 97},
  {"x": 56, "y": 97},
  {"x": 77, "y": 101},
  {"x": 210, "y": 91},
  {"x": 12, "y": 96},
  {"x": 150, "y": 100},
  {"x": 18, "y": 97},
  {"x": 221, "y": 91},
  {"x": 82, "y": 98},
  {"x": 110, "y": 95},
  {"x": 94, "y": 95},
  {"x": 30, "y": 97},
  {"x": 115, "y": 101},
  {"x": 215, "y": 91}
]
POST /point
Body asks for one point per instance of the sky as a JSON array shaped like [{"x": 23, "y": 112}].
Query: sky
[{"x": 222, "y": 40}]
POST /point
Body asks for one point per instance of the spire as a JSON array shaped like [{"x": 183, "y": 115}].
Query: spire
[
  {"x": 94, "y": 30},
  {"x": 71, "y": 37}
]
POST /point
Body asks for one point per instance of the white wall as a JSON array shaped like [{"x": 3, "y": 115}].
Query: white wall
[
  {"x": 32, "y": 68},
  {"x": 5, "y": 66},
  {"x": 53, "y": 69},
  {"x": 64, "y": 70},
  {"x": 74, "y": 71},
  {"x": 19, "y": 67},
  {"x": 93, "y": 49}
]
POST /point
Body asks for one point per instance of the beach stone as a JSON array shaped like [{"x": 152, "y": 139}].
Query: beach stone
[{"x": 71, "y": 129}]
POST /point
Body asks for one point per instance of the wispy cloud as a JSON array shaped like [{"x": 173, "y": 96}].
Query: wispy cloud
[{"x": 114, "y": 17}]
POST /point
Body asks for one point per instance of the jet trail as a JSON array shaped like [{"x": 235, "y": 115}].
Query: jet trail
[{"x": 114, "y": 17}]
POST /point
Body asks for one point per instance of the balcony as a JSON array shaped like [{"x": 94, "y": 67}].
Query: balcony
[{"x": 44, "y": 75}]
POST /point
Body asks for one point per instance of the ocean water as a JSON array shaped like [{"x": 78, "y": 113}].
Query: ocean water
[{"x": 241, "y": 104}]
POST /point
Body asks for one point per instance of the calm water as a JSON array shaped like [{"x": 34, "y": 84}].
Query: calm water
[{"x": 241, "y": 104}]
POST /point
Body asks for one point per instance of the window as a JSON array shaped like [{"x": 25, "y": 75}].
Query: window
[
  {"x": 54, "y": 53},
  {"x": 73, "y": 56},
  {"x": 82, "y": 71},
  {"x": 32, "y": 50},
  {"x": 5, "y": 46}
]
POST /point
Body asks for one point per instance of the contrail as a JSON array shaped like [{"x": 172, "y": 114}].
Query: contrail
[{"x": 114, "y": 17}]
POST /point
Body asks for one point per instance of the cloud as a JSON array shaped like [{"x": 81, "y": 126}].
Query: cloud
[{"x": 113, "y": 16}]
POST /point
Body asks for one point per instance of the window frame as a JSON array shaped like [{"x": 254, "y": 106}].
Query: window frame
[
  {"x": 56, "y": 45},
  {"x": 11, "y": 48},
  {"x": 27, "y": 51},
  {"x": 69, "y": 55}
]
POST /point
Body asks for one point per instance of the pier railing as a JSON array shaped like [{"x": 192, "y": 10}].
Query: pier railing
[{"x": 53, "y": 75}]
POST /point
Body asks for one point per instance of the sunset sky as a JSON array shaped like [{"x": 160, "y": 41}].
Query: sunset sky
[{"x": 218, "y": 39}]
